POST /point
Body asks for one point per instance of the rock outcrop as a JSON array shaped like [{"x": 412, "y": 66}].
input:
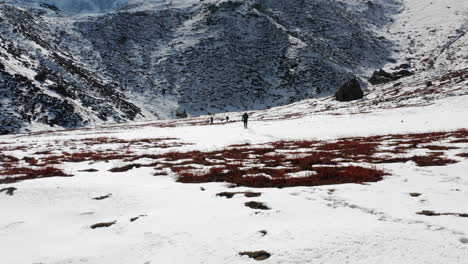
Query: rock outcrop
[
  {"x": 381, "y": 76},
  {"x": 349, "y": 91}
]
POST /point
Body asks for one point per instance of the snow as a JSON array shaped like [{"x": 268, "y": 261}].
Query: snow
[
  {"x": 48, "y": 220},
  {"x": 183, "y": 224}
]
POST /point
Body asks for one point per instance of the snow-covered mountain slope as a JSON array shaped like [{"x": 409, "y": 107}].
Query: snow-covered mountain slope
[
  {"x": 213, "y": 56},
  {"x": 432, "y": 35}
]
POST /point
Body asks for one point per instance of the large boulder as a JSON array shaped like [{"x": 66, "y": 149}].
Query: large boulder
[{"x": 350, "y": 91}]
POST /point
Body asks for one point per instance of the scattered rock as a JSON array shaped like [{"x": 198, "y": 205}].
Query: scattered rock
[
  {"x": 257, "y": 255},
  {"x": 415, "y": 194},
  {"x": 87, "y": 213},
  {"x": 402, "y": 66},
  {"x": 89, "y": 170},
  {"x": 125, "y": 168},
  {"x": 252, "y": 194},
  {"x": 133, "y": 219},
  {"x": 104, "y": 224},
  {"x": 257, "y": 205},
  {"x": 9, "y": 190},
  {"x": 432, "y": 213},
  {"x": 160, "y": 173},
  {"x": 103, "y": 197},
  {"x": 350, "y": 91},
  {"x": 380, "y": 76},
  {"x": 229, "y": 195}
]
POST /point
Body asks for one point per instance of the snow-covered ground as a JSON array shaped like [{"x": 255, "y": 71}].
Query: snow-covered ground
[
  {"x": 156, "y": 219},
  {"x": 48, "y": 220}
]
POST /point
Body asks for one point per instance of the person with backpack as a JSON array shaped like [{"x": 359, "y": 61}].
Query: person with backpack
[{"x": 245, "y": 119}]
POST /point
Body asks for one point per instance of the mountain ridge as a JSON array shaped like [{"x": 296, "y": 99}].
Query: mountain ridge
[{"x": 141, "y": 63}]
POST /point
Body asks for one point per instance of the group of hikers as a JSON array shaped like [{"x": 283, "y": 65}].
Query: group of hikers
[{"x": 245, "y": 119}]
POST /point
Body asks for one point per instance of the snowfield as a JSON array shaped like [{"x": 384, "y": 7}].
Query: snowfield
[
  {"x": 50, "y": 220},
  {"x": 382, "y": 179}
]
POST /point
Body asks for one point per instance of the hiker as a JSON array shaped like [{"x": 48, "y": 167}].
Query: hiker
[
  {"x": 245, "y": 119},
  {"x": 227, "y": 119},
  {"x": 211, "y": 120}
]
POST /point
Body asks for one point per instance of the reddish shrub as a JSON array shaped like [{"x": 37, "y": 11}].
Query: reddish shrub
[
  {"x": 432, "y": 160},
  {"x": 29, "y": 174},
  {"x": 7, "y": 158},
  {"x": 324, "y": 176},
  {"x": 435, "y": 147},
  {"x": 351, "y": 147},
  {"x": 465, "y": 140},
  {"x": 125, "y": 168},
  {"x": 314, "y": 158},
  {"x": 31, "y": 160}
]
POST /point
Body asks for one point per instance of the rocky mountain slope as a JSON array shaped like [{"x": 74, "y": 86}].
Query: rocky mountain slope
[{"x": 155, "y": 60}]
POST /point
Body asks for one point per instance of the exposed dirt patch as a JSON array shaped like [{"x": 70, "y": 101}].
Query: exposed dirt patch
[
  {"x": 257, "y": 205},
  {"x": 257, "y": 255},
  {"x": 133, "y": 219},
  {"x": 89, "y": 170},
  {"x": 432, "y": 213},
  {"x": 102, "y": 197},
  {"x": 104, "y": 224},
  {"x": 229, "y": 195},
  {"x": 9, "y": 190}
]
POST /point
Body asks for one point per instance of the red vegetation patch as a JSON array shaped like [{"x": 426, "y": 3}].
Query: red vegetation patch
[
  {"x": 7, "y": 158},
  {"x": 352, "y": 147},
  {"x": 29, "y": 174},
  {"x": 323, "y": 176},
  {"x": 435, "y": 147},
  {"x": 465, "y": 140},
  {"x": 432, "y": 160},
  {"x": 277, "y": 164},
  {"x": 125, "y": 168}
]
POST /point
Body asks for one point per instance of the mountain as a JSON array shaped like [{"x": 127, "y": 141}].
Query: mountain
[
  {"x": 68, "y": 64},
  {"x": 156, "y": 60},
  {"x": 382, "y": 179},
  {"x": 77, "y": 6}
]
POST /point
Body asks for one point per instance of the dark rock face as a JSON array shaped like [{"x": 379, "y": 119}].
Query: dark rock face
[
  {"x": 381, "y": 76},
  {"x": 350, "y": 91}
]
